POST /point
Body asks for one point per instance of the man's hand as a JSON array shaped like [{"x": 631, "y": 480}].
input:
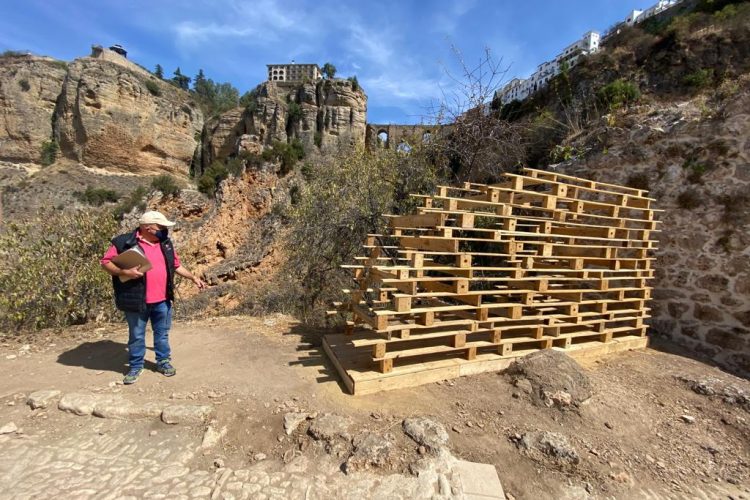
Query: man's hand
[
  {"x": 199, "y": 283},
  {"x": 131, "y": 273}
]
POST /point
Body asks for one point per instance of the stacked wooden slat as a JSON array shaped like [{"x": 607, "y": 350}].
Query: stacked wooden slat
[{"x": 539, "y": 260}]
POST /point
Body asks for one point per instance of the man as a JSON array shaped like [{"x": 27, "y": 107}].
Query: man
[{"x": 147, "y": 296}]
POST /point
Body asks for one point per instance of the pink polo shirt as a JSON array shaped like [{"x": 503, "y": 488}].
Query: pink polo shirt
[{"x": 156, "y": 277}]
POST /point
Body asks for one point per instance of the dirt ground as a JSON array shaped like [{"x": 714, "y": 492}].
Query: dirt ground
[{"x": 659, "y": 425}]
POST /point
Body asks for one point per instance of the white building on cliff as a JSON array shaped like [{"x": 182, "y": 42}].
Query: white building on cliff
[{"x": 519, "y": 89}]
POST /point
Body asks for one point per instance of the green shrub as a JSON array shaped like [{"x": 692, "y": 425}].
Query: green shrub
[
  {"x": 60, "y": 64},
  {"x": 695, "y": 170},
  {"x": 249, "y": 100},
  {"x": 96, "y": 197},
  {"x": 252, "y": 160},
  {"x": 51, "y": 275},
  {"x": 153, "y": 88},
  {"x": 618, "y": 93},
  {"x": 354, "y": 82},
  {"x": 133, "y": 200},
  {"x": 212, "y": 177},
  {"x": 699, "y": 79},
  {"x": 329, "y": 218},
  {"x": 166, "y": 184},
  {"x": 24, "y": 84},
  {"x": 49, "y": 152},
  {"x": 236, "y": 166},
  {"x": 295, "y": 112},
  {"x": 286, "y": 153},
  {"x": 13, "y": 53}
]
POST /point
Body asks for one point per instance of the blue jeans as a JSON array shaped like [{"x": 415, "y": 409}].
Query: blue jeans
[{"x": 160, "y": 315}]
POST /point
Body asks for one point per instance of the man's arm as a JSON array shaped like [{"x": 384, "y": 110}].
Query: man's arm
[
  {"x": 113, "y": 270},
  {"x": 187, "y": 274}
]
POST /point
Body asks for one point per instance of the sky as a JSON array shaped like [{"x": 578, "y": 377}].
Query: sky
[{"x": 404, "y": 53}]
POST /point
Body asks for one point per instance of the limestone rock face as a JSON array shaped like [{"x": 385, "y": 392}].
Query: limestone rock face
[
  {"x": 29, "y": 87},
  {"x": 325, "y": 116},
  {"x": 107, "y": 117}
]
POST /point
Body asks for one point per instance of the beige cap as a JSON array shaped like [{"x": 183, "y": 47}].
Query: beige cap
[{"x": 154, "y": 217}]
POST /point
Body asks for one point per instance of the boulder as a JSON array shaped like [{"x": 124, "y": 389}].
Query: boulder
[
  {"x": 555, "y": 379},
  {"x": 42, "y": 399},
  {"x": 426, "y": 432}
]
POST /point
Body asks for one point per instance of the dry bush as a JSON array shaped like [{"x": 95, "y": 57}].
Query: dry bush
[
  {"x": 51, "y": 275},
  {"x": 341, "y": 203}
]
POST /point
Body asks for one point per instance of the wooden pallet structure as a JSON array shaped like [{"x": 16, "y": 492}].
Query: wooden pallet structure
[{"x": 481, "y": 274}]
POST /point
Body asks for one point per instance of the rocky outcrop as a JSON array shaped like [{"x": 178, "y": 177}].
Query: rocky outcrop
[
  {"x": 325, "y": 116},
  {"x": 29, "y": 87},
  {"x": 112, "y": 117}
]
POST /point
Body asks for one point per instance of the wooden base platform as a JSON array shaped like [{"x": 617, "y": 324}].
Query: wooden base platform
[{"x": 361, "y": 376}]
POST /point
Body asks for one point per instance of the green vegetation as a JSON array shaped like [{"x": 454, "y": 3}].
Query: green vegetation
[
  {"x": 51, "y": 274},
  {"x": 212, "y": 177},
  {"x": 249, "y": 99},
  {"x": 286, "y": 153},
  {"x": 166, "y": 184},
  {"x": 235, "y": 166},
  {"x": 329, "y": 218},
  {"x": 328, "y": 70},
  {"x": 699, "y": 79},
  {"x": 215, "y": 98},
  {"x": 619, "y": 93},
  {"x": 49, "y": 152},
  {"x": 318, "y": 139},
  {"x": 159, "y": 72},
  {"x": 133, "y": 200},
  {"x": 354, "y": 82},
  {"x": 13, "y": 53},
  {"x": 60, "y": 64},
  {"x": 695, "y": 170},
  {"x": 24, "y": 84},
  {"x": 295, "y": 112},
  {"x": 180, "y": 81},
  {"x": 153, "y": 88},
  {"x": 96, "y": 197}
]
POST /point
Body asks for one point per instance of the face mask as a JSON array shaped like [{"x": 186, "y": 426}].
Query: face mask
[{"x": 162, "y": 234}]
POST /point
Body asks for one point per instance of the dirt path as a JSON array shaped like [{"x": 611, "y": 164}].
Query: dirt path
[{"x": 649, "y": 431}]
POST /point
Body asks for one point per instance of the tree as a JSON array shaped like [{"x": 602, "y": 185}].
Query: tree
[
  {"x": 159, "y": 72},
  {"x": 181, "y": 80},
  {"x": 329, "y": 70},
  {"x": 201, "y": 85},
  {"x": 478, "y": 144}
]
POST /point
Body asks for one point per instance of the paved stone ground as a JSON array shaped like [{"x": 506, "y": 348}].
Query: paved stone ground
[{"x": 118, "y": 460}]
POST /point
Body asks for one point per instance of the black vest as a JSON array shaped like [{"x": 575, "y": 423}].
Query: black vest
[{"x": 130, "y": 296}]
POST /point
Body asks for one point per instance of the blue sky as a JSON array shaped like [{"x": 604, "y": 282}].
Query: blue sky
[{"x": 399, "y": 50}]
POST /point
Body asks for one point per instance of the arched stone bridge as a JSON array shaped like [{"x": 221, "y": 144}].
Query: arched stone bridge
[{"x": 398, "y": 136}]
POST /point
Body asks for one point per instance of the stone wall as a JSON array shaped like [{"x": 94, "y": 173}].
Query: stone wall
[{"x": 695, "y": 159}]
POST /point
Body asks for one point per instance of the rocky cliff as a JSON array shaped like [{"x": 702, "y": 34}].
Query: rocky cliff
[
  {"x": 325, "y": 116},
  {"x": 102, "y": 113},
  {"x": 111, "y": 117},
  {"x": 29, "y": 88}
]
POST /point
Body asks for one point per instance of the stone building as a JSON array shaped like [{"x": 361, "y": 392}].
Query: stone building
[{"x": 293, "y": 72}]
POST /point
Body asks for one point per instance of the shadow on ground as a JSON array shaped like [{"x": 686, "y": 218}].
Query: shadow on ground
[
  {"x": 102, "y": 355},
  {"x": 310, "y": 353}
]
